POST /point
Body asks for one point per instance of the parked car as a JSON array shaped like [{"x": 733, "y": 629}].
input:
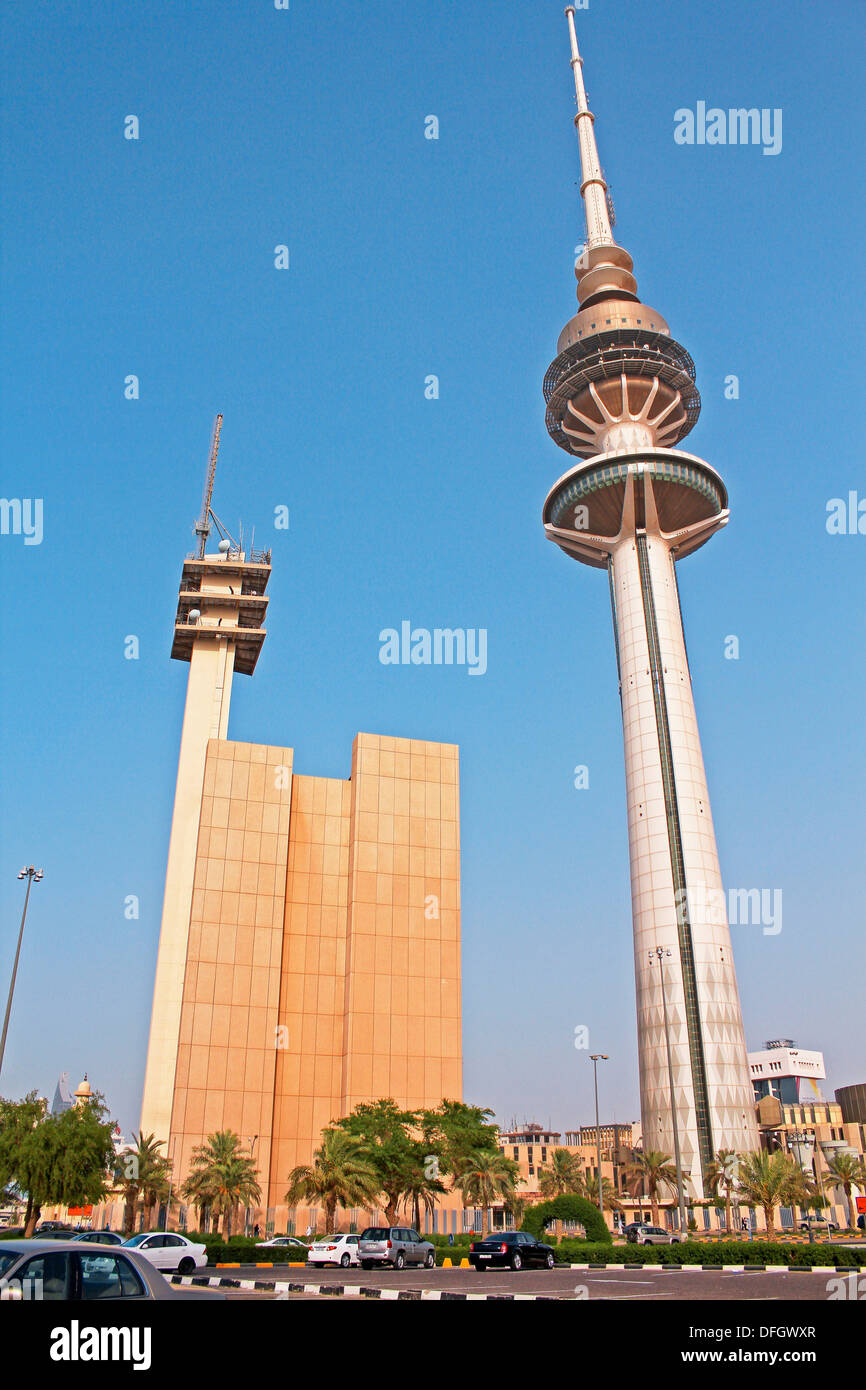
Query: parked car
[
  {"x": 394, "y": 1245},
  {"x": 510, "y": 1249},
  {"x": 291, "y": 1242},
  {"x": 818, "y": 1223},
  {"x": 69, "y": 1272},
  {"x": 169, "y": 1251},
  {"x": 639, "y": 1233},
  {"x": 101, "y": 1237},
  {"x": 54, "y": 1233},
  {"x": 334, "y": 1250}
]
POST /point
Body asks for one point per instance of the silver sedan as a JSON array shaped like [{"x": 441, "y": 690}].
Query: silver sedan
[{"x": 69, "y": 1272}]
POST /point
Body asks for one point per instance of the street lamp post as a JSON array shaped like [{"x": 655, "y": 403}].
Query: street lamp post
[
  {"x": 251, "y": 1140},
  {"x": 796, "y": 1137},
  {"x": 32, "y": 876},
  {"x": 660, "y": 953},
  {"x": 595, "y": 1058},
  {"x": 170, "y": 1183}
]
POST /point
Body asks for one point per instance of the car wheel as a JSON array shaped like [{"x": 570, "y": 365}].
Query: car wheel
[
  {"x": 186, "y": 1266},
  {"x": 550, "y": 1261},
  {"x": 516, "y": 1261},
  {"x": 399, "y": 1260},
  {"x": 429, "y": 1260},
  {"x": 345, "y": 1261}
]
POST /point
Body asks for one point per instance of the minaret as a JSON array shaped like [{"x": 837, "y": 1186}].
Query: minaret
[
  {"x": 620, "y": 395},
  {"x": 218, "y": 630}
]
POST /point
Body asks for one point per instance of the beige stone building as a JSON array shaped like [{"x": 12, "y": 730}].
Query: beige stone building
[{"x": 309, "y": 955}]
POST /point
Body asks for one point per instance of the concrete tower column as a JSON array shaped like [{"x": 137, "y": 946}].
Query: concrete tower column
[
  {"x": 218, "y": 629},
  {"x": 677, "y": 893}
]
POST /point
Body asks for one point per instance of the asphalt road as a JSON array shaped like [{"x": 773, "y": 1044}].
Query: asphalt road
[{"x": 609, "y": 1284}]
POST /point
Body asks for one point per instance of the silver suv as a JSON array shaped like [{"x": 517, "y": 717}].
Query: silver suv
[
  {"x": 650, "y": 1235},
  {"x": 394, "y": 1245}
]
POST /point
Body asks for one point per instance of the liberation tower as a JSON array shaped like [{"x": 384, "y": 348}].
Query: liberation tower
[{"x": 620, "y": 396}]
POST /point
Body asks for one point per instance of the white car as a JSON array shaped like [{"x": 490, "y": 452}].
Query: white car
[
  {"x": 334, "y": 1250},
  {"x": 168, "y": 1251},
  {"x": 289, "y": 1242}
]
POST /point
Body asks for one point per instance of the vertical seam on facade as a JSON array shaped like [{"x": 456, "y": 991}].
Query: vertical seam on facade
[{"x": 610, "y": 576}]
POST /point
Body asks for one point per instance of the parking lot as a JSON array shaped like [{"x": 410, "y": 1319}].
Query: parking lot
[{"x": 625, "y": 1284}]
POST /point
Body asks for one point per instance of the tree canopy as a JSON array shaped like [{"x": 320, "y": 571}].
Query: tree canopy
[{"x": 63, "y": 1159}]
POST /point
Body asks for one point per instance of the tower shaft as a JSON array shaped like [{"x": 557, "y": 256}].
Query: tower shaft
[
  {"x": 676, "y": 883},
  {"x": 218, "y": 630},
  {"x": 206, "y": 716}
]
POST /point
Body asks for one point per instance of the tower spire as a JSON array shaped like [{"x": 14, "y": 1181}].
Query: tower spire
[
  {"x": 593, "y": 188},
  {"x": 604, "y": 269}
]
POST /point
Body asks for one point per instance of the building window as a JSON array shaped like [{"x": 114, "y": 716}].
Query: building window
[{"x": 544, "y": 1155}]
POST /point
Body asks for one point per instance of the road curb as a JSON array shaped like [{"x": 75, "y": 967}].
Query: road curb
[
  {"x": 722, "y": 1269},
  {"x": 279, "y": 1286},
  {"x": 409, "y": 1295}
]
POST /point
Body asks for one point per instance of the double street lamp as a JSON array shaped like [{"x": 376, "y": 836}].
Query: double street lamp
[
  {"x": 32, "y": 876},
  {"x": 595, "y": 1058}
]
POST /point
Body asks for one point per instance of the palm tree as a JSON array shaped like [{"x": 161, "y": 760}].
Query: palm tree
[
  {"x": 651, "y": 1170},
  {"x": 142, "y": 1171},
  {"x": 721, "y": 1173},
  {"x": 222, "y": 1175},
  {"x": 517, "y": 1206},
  {"x": 564, "y": 1175},
  {"x": 609, "y": 1194},
  {"x": 421, "y": 1189},
  {"x": 339, "y": 1176},
  {"x": 484, "y": 1176},
  {"x": 769, "y": 1180},
  {"x": 847, "y": 1171}
]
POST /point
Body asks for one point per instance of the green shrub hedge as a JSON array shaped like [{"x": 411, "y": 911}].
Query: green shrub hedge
[{"x": 697, "y": 1253}]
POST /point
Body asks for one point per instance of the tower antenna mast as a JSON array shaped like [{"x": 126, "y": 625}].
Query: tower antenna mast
[{"x": 202, "y": 528}]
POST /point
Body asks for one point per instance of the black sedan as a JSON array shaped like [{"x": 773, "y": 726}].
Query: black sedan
[{"x": 516, "y": 1249}]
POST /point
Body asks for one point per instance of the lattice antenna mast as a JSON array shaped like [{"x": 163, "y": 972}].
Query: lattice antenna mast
[{"x": 202, "y": 528}]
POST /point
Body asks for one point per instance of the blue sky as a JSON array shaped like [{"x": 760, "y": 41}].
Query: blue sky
[{"x": 412, "y": 257}]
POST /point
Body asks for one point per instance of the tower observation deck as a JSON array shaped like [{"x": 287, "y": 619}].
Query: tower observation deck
[{"x": 620, "y": 397}]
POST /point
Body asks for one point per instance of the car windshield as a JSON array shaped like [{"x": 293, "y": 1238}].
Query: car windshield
[{"x": 137, "y": 1240}]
